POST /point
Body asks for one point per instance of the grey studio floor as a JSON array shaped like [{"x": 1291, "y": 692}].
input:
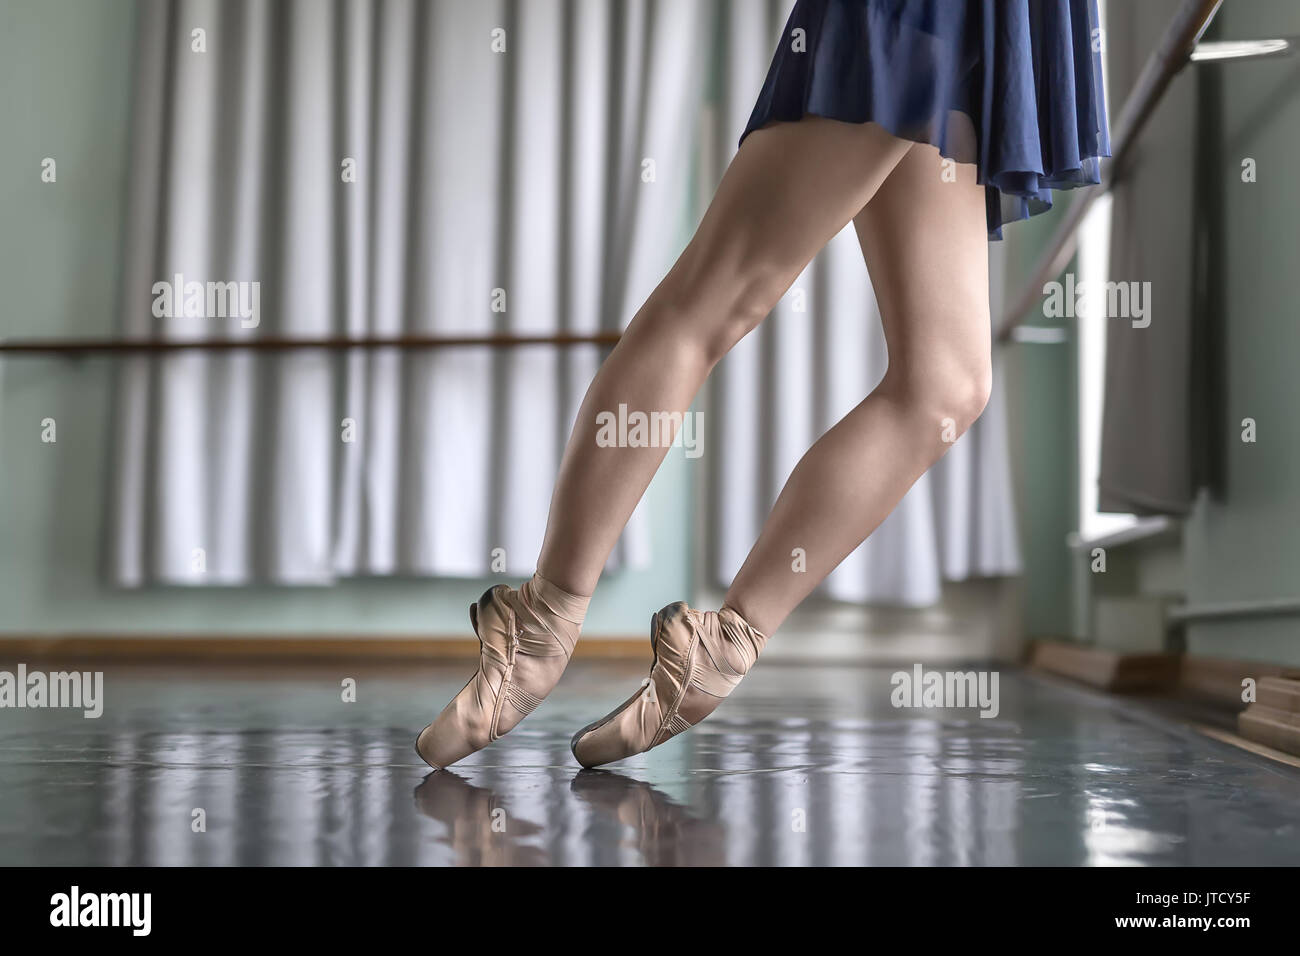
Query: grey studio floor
[{"x": 803, "y": 765}]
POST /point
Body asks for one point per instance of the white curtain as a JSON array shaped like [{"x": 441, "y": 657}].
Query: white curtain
[
  {"x": 799, "y": 373},
  {"x": 555, "y": 170}
]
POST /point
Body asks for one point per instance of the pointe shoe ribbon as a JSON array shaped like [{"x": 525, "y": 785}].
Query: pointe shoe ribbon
[
  {"x": 699, "y": 658},
  {"x": 526, "y": 637}
]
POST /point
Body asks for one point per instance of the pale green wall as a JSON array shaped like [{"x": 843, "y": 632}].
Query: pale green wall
[
  {"x": 1248, "y": 545},
  {"x": 65, "y": 71},
  {"x": 1042, "y": 418}
]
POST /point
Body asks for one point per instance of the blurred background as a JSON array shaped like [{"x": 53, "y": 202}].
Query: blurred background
[{"x": 532, "y": 168}]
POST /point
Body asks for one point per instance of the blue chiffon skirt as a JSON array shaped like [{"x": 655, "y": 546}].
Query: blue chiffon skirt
[{"x": 1012, "y": 86}]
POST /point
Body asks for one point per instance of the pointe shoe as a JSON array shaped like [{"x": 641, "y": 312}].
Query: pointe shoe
[
  {"x": 525, "y": 639},
  {"x": 700, "y": 657}
]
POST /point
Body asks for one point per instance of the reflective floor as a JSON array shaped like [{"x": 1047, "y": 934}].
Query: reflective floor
[{"x": 803, "y": 765}]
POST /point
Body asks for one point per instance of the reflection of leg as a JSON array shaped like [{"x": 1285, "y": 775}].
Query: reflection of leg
[
  {"x": 479, "y": 830},
  {"x": 788, "y": 190},
  {"x": 666, "y": 833},
  {"x": 925, "y": 243}
]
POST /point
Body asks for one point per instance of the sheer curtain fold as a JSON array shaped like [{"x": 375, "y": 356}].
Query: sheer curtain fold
[{"x": 381, "y": 168}]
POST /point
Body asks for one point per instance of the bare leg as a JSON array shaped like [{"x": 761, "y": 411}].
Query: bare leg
[
  {"x": 925, "y": 243},
  {"x": 788, "y": 190}
]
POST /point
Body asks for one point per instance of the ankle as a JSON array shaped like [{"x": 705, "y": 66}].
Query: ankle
[
  {"x": 561, "y": 574},
  {"x": 563, "y": 604},
  {"x": 755, "y": 623}
]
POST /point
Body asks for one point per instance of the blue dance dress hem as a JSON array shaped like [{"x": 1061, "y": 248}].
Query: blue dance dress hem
[{"x": 1011, "y": 86}]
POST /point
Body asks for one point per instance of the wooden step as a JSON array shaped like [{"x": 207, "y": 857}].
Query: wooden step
[
  {"x": 1274, "y": 719},
  {"x": 1280, "y": 693},
  {"x": 1104, "y": 668},
  {"x": 1222, "y": 681}
]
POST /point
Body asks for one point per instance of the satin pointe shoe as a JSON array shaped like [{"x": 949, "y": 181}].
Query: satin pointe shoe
[
  {"x": 699, "y": 658},
  {"x": 526, "y": 637}
]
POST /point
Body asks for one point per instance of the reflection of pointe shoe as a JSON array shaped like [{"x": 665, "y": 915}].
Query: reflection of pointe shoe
[
  {"x": 525, "y": 639},
  {"x": 478, "y": 830},
  {"x": 664, "y": 831},
  {"x": 633, "y": 803},
  {"x": 699, "y": 658},
  {"x": 449, "y": 798}
]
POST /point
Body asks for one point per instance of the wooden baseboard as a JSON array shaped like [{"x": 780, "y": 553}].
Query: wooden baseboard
[
  {"x": 1105, "y": 669},
  {"x": 1271, "y": 721},
  {"x": 1274, "y": 718},
  {"x": 197, "y": 648},
  {"x": 1262, "y": 750},
  {"x": 1210, "y": 679}
]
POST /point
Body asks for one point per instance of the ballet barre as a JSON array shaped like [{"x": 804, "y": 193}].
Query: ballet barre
[
  {"x": 1181, "y": 44},
  {"x": 74, "y": 347}
]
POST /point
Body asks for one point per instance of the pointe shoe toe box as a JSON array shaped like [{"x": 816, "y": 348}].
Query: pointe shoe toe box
[
  {"x": 524, "y": 647},
  {"x": 646, "y": 718},
  {"x": 463, "y": 727},
  {"x": 619, "y": 734}
]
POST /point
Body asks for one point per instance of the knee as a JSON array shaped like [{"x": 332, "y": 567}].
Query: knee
[
  {"x": 948, "y": 393},
  {"x": 971, "y": 396},
  {"x": 737, "y": 317}
]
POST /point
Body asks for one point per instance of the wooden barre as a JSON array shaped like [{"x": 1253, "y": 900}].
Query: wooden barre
[
  {"x": 287, "y": 344},
  {"x": 1172, "y": 53}
]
